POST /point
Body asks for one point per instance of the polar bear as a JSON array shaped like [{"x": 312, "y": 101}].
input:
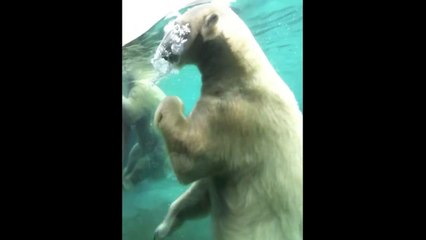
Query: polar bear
[
  {"x": 148, "y": 158},
  {"x": 241, "y": 146}
]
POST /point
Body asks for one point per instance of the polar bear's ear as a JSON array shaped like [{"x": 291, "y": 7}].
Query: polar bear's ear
[{"x": 209, "y": 30}]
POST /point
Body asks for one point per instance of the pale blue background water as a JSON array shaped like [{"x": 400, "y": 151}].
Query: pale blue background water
[{"x": 277, "y": 26}]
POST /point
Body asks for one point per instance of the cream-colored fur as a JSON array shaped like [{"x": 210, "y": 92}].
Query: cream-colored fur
[{"x": 241, "y": 146}]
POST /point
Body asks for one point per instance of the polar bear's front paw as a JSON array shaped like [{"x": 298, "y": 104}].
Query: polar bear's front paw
[
  {"x": 162, "y": 231},
  {"x": 170, "y": 106}
]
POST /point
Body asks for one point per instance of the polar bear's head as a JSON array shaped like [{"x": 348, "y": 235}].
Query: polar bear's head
[{"x": 185, "y": 35}]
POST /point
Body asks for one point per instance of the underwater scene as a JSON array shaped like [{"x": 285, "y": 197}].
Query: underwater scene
[{"x": 150, "y": 185}]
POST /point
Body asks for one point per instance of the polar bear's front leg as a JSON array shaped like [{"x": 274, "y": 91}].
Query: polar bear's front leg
[
  {"x": 190, "y": 144},
  {"x": 194, "y": 203}
]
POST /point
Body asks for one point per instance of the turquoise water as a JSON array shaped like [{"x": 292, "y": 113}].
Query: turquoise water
[{"x": 277, "y": 26}]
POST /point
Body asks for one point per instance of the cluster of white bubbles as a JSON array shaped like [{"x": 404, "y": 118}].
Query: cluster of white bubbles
[{"x": 175, "y": 36}]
